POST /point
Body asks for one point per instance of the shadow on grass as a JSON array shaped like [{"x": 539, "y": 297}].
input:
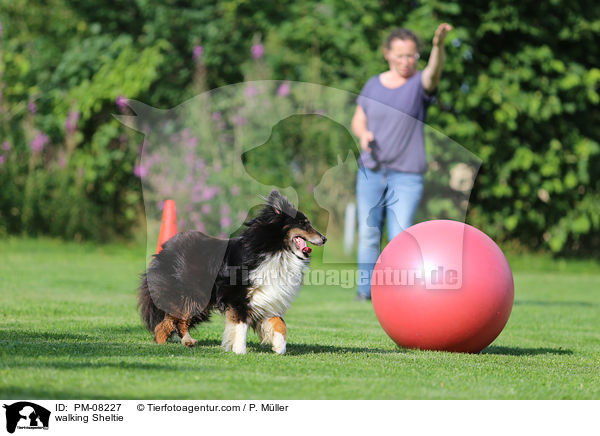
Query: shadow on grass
[
  {"x": 27, "y": 345},
  {"x": 300, "y": 349},
  {"x": 92, "y": 334},
  {"x": 554, "y": 303},
  {"x": 75, "y": 350},
  {"x": 519, "y": 351},
  {"x": 17, "y": 392}
]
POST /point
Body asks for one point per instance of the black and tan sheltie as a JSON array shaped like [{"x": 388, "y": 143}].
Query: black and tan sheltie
[{"x": 252, "y": 279}]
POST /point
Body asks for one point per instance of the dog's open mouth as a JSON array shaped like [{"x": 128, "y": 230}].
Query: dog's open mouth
[{"x": 301, "y": 244}]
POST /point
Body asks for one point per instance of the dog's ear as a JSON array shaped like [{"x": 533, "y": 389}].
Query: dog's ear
[
  {"x": 275, "y": 201},
  {"x": 274, "y": 196},
  {"x": 280, "y": 204}
]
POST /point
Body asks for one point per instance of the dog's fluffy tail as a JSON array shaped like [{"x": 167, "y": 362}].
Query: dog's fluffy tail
[{"x": 151, "y": 315}]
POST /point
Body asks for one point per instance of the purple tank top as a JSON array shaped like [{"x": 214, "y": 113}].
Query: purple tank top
[{"x": 396, "y": 117}]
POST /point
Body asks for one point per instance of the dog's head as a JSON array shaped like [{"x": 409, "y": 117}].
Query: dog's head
[{"x": 289, "y": 225}]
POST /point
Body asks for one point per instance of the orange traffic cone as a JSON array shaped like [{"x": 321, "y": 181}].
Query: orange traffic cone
[{"x": 168, "y": 224}]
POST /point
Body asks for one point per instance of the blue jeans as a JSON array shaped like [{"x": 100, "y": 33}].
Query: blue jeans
[{"x": 382, "y": 194}]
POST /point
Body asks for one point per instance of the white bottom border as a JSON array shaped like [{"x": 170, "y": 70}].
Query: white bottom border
[{"x": 249, "y": 417}]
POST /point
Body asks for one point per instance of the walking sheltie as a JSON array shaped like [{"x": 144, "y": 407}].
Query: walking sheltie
[{"x": 252, "y": 279}]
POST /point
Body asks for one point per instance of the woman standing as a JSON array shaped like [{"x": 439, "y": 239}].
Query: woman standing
[{"x": 388, "y": 122}]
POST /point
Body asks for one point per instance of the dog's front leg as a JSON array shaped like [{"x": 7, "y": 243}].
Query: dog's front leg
[
  {"x": 274, "y": 331},
  {"x": 236, "y": 330},
  {"x": 239, "y": 342}
]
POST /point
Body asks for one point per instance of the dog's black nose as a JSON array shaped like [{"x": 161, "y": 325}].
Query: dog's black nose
[{"x": 324, "y": 239}]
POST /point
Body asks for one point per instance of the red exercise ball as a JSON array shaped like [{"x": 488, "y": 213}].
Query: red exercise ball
[{"x": 442, "y": 285}]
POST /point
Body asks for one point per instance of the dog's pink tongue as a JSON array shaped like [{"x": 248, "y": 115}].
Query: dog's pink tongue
[{"x": 307, "y": 250}]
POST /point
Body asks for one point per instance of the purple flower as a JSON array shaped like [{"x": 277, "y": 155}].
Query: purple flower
[
  {"x": 235, "y": 190},
  {"x": 140, "y": 171},
  {"x": 284, "y": 90},
  {"x": 199, "y": 186},
  {"x": 198, "y": 51},
  {"x": 225, "y": 222},
  {"x": 210, "y": 193},
  {"x": 239, "y": 120},
  {"x": 258, "y": 50},
  {"x": 122, "y": 102},
  {"x": 206, "y": 209},
  {"x": 32, "y": 107},
  {"x": 71, "y": 121},
  {"x": 1, "y": 29},
  {"x": 192, "y": 142},
  {"x": 39, "y": 142},
  {"x": 216, "y": 116},
  {"x": 6, "y": 146},
  {"x": 200, "y": 165},
  {"x": 2, "y": 159},
  {"x": 250, "y": 91}
]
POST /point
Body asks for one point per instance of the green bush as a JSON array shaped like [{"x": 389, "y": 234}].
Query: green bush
[{"x": 519, "y": 90}]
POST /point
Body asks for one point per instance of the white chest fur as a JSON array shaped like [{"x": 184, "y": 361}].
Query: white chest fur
[{"x": 275, "y": 284}]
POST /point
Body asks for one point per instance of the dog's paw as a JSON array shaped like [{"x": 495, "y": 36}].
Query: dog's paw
[
  {"x": 239, "y": 348},
  {"x": 160, "y": 339},
  {"x": 228, "y": 339},
  {"x": 189, "y": 341},
  {"x": 239, "y": 338},
  {"x": 279, "y": 343}
]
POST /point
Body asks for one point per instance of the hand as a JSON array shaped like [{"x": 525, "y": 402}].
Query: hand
[
  {"x": 365, "y": 138},
  {"x": 440, "y": 34}
]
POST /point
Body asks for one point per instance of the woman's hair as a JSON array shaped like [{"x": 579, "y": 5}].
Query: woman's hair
[{"x": 404, "y": 34}]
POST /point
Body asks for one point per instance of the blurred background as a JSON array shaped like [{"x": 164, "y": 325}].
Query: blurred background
[{"x": 520, "y": 90}]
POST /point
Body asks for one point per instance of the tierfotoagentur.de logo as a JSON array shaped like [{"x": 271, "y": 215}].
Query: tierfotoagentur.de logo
[{"x": 26, "y": 415}]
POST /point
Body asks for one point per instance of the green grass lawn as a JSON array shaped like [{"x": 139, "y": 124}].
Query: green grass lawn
[{"x": 69, "y": 329}]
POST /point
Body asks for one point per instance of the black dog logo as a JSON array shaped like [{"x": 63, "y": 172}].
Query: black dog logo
[{"x": 27, "y": 414}]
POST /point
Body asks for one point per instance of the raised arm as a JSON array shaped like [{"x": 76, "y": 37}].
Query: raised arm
[{"x": 433, "y": 71}]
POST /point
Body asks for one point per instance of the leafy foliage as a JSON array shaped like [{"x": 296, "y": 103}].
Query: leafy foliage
[{"x": 520, "y": 89}]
